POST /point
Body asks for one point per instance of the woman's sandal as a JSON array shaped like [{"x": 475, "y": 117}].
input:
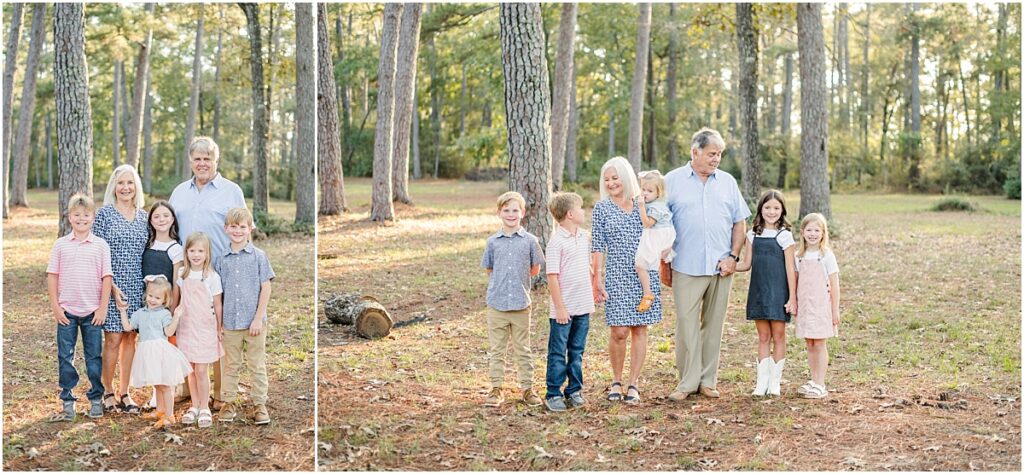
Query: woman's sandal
[
  {"x": 645, "y": 303},
  {"x": 630, "y": 399},
  {"x": 615, "y": 396},
  {"x": 110, "y": 402},
  {"x": 128, "y": 407},
  {"x": 205, "y": 419},
  {"x": 189, "y": 416}
]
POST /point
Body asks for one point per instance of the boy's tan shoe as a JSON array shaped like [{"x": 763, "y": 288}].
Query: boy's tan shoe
[
  {"x": 678, "y": 396},
  {"x": 227, "y": 413},
  {"x": 531, "y": 399},
  {"x": 260, "y": 415},
  {"x": 494, "y": 399}
]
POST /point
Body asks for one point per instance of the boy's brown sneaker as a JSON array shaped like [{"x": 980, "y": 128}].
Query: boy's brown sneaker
[
  {"x": 227, "y": 413},
  {"x": 260, "y": 415},
  {"x": 531, "y": 399},
  {"x": 494, "y": 399}
]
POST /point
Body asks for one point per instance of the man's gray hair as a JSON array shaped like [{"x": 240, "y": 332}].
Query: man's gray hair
[{"x": 705, "y": 136}]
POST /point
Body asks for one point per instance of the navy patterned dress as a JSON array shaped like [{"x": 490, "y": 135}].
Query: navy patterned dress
[
  {"x": 127, "y": 241},
  {"x": 617, "y": 234}
]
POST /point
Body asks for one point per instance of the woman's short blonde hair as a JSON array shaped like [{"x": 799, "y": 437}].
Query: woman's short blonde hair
[
  {"x": 109, "y": 198},
  {"x": 626, "y": 174}
]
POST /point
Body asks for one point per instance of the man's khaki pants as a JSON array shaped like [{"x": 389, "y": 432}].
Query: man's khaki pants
[{"x": 701, "y": 303}]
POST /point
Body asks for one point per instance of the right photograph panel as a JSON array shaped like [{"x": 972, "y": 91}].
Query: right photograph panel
[{"x": 646, "y": 237}]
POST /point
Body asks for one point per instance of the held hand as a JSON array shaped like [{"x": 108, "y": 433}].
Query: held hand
[
  {"x": 99, "y": 317},
  {"x": 220, "y": 334},
  {"x": 561, "y": 316},
  {"x": 835, "y": 318},
  {"x": 600, "y": 295},
  {"x": 256, "y": 327},
  {"x": 726, "y": 266},
  {"x": 791, "y": 307},
  {"x": 179, "y": 311},
  {"x": 58, "y": 315},
  {"x": 119, "y": 301}
]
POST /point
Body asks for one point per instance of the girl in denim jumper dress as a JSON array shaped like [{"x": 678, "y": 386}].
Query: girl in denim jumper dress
[{"x": 771, "y": 298}]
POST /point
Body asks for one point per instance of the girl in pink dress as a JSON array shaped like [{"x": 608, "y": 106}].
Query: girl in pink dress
[
  {"x": 817, "y": 294},
  {"x": 200, "y": 331}
]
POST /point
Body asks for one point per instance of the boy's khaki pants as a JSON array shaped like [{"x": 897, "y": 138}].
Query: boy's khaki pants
[
  {"x": 255, "y": 348},
  {"x": 503, "y": 326}
]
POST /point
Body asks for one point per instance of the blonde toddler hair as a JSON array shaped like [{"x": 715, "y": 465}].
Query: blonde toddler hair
[
  {"x": 654, "y": 176},
  {"x": 819, "y": 219},
  {"x": 563, "y": 202},
  {"x": 163, "y": 286},
  {"x": 509, "y": 196}
]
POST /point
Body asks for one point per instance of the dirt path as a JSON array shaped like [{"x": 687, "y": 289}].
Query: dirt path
[
  {"x": 125, "y": 442},
  {"x": 926, "y": 375}
]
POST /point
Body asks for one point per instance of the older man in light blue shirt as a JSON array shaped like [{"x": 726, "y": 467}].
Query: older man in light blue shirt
[
  {"x": 709, "y": 215},
  {"x": 200, "y": 204}
]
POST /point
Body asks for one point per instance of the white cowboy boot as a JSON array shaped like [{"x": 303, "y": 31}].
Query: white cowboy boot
[
  {"x": 774, "y": 383},
  {"x": 764, "y": 371}
]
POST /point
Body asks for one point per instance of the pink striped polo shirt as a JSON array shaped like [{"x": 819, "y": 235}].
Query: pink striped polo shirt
[
  {"x": 568, "y": 256},
  {"x": 80, "y": 266}
]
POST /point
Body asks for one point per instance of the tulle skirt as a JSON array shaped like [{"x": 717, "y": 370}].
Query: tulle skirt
[
  {"x": 652, "y": 242},
  {"x": 157, "y": 362}
]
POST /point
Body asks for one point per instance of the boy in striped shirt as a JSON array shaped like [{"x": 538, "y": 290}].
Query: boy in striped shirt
[
  {"x": 78, "y": 280},
  {"x": 572, "y": 301}
]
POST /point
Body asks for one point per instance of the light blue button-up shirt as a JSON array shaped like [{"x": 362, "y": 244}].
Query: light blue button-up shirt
[
  {"x": 242, "y": 274},
  {"x": 204, "y": 210},
  {"x": 703, "y": 214},
  {"x": 510, "y": 257}
]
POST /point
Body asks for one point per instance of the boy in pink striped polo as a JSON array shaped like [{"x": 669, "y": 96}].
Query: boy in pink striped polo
[
  {"x": 78, "y": 280},
  {"x": 572, "y": 301}
]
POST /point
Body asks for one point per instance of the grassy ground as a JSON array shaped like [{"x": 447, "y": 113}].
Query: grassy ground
[
  {"x": 124, "y": 442},
  {"x": 926, "y": 374}
]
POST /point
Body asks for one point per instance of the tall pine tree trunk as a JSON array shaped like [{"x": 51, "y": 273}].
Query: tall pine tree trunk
[
  {"x": 814, "y": 190},
  {"x": 435, "y": 104},
  {"x": 405, "y": 88},
  {"x": 381, "y": 207},
  {"x": 193, "y": 102},
  {"x": 305, "y": 118},
  {"x": 260, "y": 115},
  {"x": 49, "y": 150},
  {"x": 417, "y": 170},
  {"x": 74, "y": 114},
  {"x": 216, "y": 78},
  {"x": 574, "y": 126},
  {"x": 562, "y": 90},
  {"x": 139, "y": 96},
  {"x": 670, "y": 92},
  {"x": 651, "y": 149},
  {"x": 527, "y": 112},
  {"x": 22, "y": 137},
  {"x": 147, "y": 137},
  {"x": 865, "y": 99},
  {"x": 10, "y": 64},
  {"x": 787, "y": 111},
  {"x": 332, "y": 178},
  {"x": 636, "y": 102},
  {"x": 746, "y": 34},
  {"x": 115, "y": 124}
]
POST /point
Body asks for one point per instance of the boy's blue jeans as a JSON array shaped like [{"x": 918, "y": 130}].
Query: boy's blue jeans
[
  {"x": 566, "y": 343},
  {"x": 92, "y": 344}
]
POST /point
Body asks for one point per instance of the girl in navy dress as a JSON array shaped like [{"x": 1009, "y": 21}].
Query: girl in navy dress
[{"x": 771, "y": 298}]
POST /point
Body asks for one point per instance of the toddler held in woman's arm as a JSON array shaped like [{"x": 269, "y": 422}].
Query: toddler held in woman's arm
[{"x": 658, "y": 234}]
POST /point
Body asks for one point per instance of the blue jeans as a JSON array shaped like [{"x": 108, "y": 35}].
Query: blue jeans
[
  {"x": 92, "y": 344},
  {"x": 566, "y": 343}
]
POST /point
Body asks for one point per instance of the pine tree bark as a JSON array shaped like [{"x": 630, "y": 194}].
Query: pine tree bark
[
  {"x": 23, "y": 135},
  {"x": 561, "y": 99},
  {"x": 49, "y": 150},
  {"x": 305, "y": 118},
  {"x": 914, "y": 172},
  {"x": 611, "y": 132},
  {"x": 126, "y": 113},
  {"x": 10, "y": 65},
  {"x": 331, "y": 175},
  {"x": 74, "y": 114},
  {"x": 435, "y": 104},
  {"x": 636, "y": 102},
  {"x": 417, "y": 169},
  {"x": 746, "y": 34},
  {"x": 216, "y": 78},
  {"x": 193, "y": 103},
  {"x": 138, "y": 97},
  {"x": 147, "y": 137},
  {"x": 650, "y": 152},
  {"x": 405, "y": 88},
  {"x": 670, "y": 89},
  {"x": 527, "y": 112},
  {"x": 787, "y": 111},
  {"x": 814, "y": 189},
  {"x": 381, "y": 207},
  {"x": 574, "y": 126},
  {"x": 115, "y": 137},
  {"x": 260, "y": 112}
]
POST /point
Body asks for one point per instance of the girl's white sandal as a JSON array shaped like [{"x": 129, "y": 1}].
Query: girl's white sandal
[
  {"x": 189, "y": 416},
  {"x": 805, "y": 387},
  {"x": 205, "y": 418},
  {"x": 816, "y": 391}
]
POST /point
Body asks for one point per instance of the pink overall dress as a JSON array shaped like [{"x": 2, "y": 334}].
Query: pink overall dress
[
  {"x": 814, "y": 305},
  {"x": 197, "y": 331}
]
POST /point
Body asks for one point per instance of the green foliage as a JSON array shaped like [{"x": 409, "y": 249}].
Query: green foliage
[
  {"x": 985, "y": 168},
  {"x": 1012, "y": 185},
  {"x": 955, "y": 204}
]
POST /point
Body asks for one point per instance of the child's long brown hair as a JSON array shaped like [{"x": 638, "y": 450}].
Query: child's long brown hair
[
  {"x": 759, "y": 223},
  {"x": 198, "y": 238},
  {"x": 173, "y": 231}
]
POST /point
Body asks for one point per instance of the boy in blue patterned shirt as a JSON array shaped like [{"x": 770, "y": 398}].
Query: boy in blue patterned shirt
[
  {"x": 245, "y": 274},
  {"x": 512, "y": 258}
]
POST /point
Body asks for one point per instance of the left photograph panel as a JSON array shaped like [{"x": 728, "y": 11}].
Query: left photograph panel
[{"x": 158, "y": 237}]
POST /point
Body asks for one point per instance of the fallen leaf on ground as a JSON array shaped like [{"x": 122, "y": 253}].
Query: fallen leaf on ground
[{"x": 172, "y": 438}]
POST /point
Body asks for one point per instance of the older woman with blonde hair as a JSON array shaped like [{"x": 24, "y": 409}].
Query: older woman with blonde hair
[
  {"x": 121, "y": 222},
  {"x": 615, "y": 237}
]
